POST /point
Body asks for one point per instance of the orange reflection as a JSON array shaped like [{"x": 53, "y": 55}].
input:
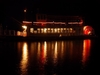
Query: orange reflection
[
  {"x": 86, "y": 50},
  {"x": 43, "y": 53},
  {"x": 24, "y": 61},
  {"x": 38, "y": 49},
  {"x": 55, "y": 53}
]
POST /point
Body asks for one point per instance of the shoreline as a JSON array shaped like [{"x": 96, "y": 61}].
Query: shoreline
[{"x": 44, "y": 38}]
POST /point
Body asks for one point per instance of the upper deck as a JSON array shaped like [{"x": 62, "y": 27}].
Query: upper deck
[{"x": 43, "y": 19}]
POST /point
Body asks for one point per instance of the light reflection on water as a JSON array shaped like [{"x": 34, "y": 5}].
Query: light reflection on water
[
  {"x": 86, "y": 51},
  {"x": 47, "y": 56},
  {"x": 24, "y": 59}
]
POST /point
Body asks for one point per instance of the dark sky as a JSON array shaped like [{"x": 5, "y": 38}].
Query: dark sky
[
  {"x": 64, "y": 7},
  {"x": 89, "y": 9}
]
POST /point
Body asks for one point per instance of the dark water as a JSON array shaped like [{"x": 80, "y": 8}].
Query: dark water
[{"x": 70, "y": 57}]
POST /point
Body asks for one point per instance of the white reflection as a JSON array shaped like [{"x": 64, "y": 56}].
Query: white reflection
[
  {"x": 62, "y": 49},
  {"x": 45, "y": 49},
  {"x": 55, "y": 53},
  {"x": 24, "y": 61},
  {"x": 38, "y": 49},
  {"x": 44, "y": 53},
  {"x": 42, "y": 56},
  {"x": 86, "y": 50}
]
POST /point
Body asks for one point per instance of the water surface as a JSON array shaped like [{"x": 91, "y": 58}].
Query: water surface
[{"x": 66, "y": 57}]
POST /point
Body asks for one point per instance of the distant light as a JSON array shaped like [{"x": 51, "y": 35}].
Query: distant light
[
  {"x": 75, "y": 22},
  {"x": 18, "y": 33},
  {"x": 26, "y": 22},
  {"x": 24, "y": 10},
  {"x": 60, "y": 35},
  {"x": 87, "y": 30},
  {"x": 25, "y": 27},
  {"x": 44, "y": 22}
]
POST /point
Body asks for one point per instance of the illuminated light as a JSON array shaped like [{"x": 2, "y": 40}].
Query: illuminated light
[
  {"x": 31, "y": 30},
  {"x": 87, "y": 30},
  {"x": 52, "y": 30},
  {"x": 55, "y": 53},
  {"x": 24, "y": 31},
  {"x": 60, "y": 35},
  {"x": 55, "y": 30},
  {"x": 27, "y": 22},
  {"x": 43, "y": 53},
  {"x": 61, "y": 28},
  {"x": 38, "y": 29},
  {"x": 86, "y": 50},
  {"x": 75, "y": 22},
  {"x": 24, "y": 10},
  {"x": 41, "y": 28},
  {"x": 67, "y": 28},
  {"x": 45, "y": 30},
  {"x": 25, "y": 27},
  {"x": 24, "y": 60},
  {"x": 19, "y": 33},
  {"x": 35, "y": 31},
  {"x": 51, "y": 22},
  {"x": 48, "y": 28},
  {"x": 64, "y": 28},
  {"x": 54, "y": 22},
  {"x": 39, "y": 49},
  {"x": 24, "y": 34},
  {"x": 45, "y": 49},
  {"x": 44, "y": 22},
  {"x": 58, "y": 28},
  {"x": 71, "y": 29},
  {"x": 80, "y": 22},
  {"x": 84, "y": 27}
]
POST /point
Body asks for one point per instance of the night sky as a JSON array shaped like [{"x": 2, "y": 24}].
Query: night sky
[{"x": 13, "y": 9}]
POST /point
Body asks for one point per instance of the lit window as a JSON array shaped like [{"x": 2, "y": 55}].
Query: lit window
[
  {"x": 31, "y": 30},
  {"x": 51, "y": 30},
  {"x": 55, "y": 30},
  {"x": 38, "y": 29},
  {"x": 35, "y": 31},
  {"x": 48, "y": 28},
  {"x": 71, "y": 29},
  {"x": 45, "y": 29},
  {"x": 41, "y": 30},
  {"x": 64, "y": 28},
  {"x": 67, "y": 28},
  {"x": 58, "y": 28},
  {"x": 61, "y": 28},
  {"x": 18, "y": 33}
]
